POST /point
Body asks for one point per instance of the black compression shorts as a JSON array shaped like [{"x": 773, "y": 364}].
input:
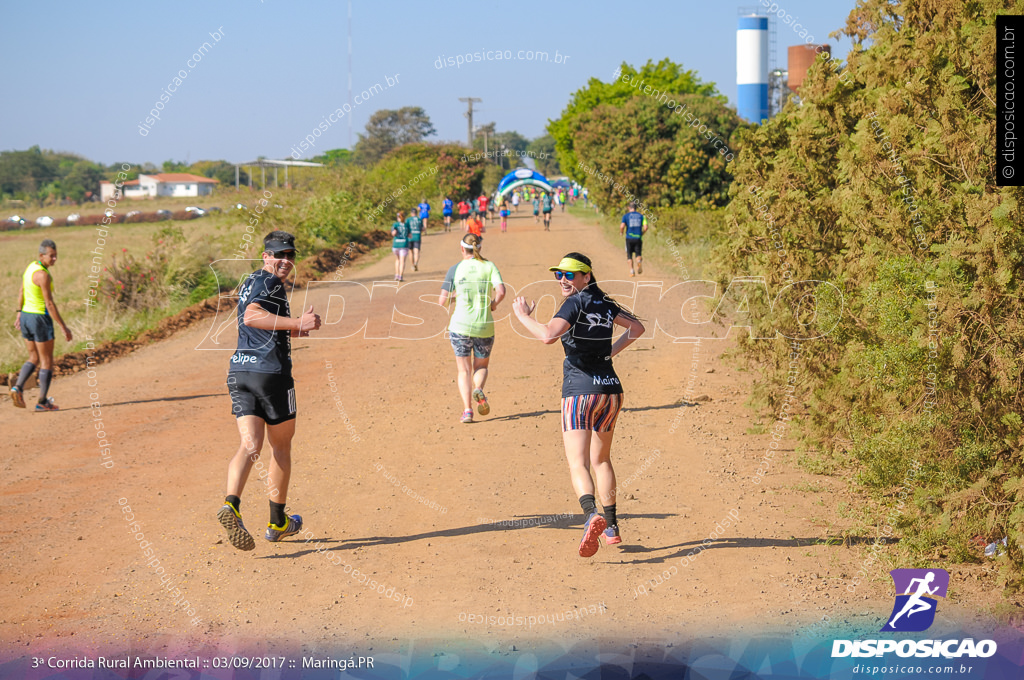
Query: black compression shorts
[
  {"x": 634, "y": 246},
  {"x": 270, "y": 396}
]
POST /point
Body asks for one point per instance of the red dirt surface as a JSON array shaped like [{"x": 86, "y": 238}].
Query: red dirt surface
[{"x": 379, "y": 453}]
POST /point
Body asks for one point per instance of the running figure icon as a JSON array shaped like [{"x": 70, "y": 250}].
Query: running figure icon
[
  {"x": 915, "y": 604},
  {"x": 917, "y": 592}
]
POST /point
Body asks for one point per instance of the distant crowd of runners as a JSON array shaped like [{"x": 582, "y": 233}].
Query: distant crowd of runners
[{"x": 262, "y": 389}]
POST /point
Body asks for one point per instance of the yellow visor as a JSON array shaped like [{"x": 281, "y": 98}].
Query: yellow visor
[{"x": 569, "y": 264}]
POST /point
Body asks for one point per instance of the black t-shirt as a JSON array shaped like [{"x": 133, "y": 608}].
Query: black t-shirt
[
  {"x": 262, "y": 351},
  {"x": 588, "y": 343}
]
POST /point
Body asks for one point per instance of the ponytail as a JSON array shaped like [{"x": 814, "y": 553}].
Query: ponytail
[{"x": 471, "y": 242}]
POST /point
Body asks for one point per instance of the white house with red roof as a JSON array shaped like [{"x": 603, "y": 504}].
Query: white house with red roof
[{"x": 163, "y": 184}]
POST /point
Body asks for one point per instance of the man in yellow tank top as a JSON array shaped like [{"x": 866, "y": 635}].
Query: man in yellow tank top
[{"x": 36, "y": 312}]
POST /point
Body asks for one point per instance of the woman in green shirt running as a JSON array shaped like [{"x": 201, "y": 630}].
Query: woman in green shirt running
[
  {"x": 400, "y": 244},
  {"x": 471, "y": 329}
]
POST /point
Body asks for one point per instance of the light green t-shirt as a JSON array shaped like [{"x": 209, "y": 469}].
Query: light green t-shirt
[{"x": 470, "y": 282}]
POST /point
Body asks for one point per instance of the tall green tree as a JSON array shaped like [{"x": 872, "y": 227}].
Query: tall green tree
[
  {"x": 221, "y": 171},
  {"x": 174, "y": 166},
  {"x": 334, "y": 157},
  {"x": 665, "y": 76},
  {"x": 542, "y": 151},
  {"x": 388, "y": 129},
  {"x": 655, "y": 154},
  {"x": 22, "y": 173},
  {"x": 83, "y": 178}
]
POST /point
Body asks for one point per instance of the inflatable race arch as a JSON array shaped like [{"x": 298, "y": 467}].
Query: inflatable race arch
[{"x": 518, "y": 178}]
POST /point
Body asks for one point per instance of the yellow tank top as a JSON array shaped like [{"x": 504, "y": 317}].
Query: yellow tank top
[{"x": 34, "y": 303}]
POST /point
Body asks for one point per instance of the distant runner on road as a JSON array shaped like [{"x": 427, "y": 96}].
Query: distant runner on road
[
  {"x": 504, "y": 217},
  {"x": 446, "y": 212},
  {"x": 546, "y": 205},
  {"x": 591, "y": 392},
  {"x": 483, "y": 207},
  {"x": 262, "y": 390},
  {"x": 464, "y": 208},
  {"x": 416, "y": 228},
  {"x": 634, "y": 226},
  {"x": 36, "y": 313},
  {"x": 424, "y": 212},
  {"x": 400, "y": 244}
]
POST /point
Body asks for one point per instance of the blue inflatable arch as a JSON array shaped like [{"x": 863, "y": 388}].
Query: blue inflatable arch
[{"x": 518, "y": 178}]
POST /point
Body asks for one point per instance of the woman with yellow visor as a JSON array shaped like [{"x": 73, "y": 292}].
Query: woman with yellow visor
[{"x": 591, "y": 391}]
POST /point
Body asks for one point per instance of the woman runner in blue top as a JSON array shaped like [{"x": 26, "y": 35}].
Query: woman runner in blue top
[
  {"x": 424, "y": 211},
  {"x": 591, "y": 392},
  {"x": 446, "y": 210}
]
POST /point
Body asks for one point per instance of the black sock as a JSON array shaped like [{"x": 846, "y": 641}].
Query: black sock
[
  {"x": 609, "y": 515},
  {"x": 234, "y": 501},
  {"x": 26, "y": 373},
  {"x": 588, "y": 504},
  {"x": 45, "y": 374},
  {"x": 277, "y": 516}
]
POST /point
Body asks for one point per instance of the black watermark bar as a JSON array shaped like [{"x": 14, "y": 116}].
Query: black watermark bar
[{"x": 1009, "y": 132}]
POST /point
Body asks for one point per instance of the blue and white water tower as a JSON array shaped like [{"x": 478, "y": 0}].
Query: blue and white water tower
[{"x": 752, "y": 68}]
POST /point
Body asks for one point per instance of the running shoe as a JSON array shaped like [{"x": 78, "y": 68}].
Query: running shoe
[
  {"x": 231, "y": 520},
  {"x": 47, "y": 405},
  {"x": 592, "y": 529},
  {"x": 632, "y": 273},
  {"x": 17, "y": 397},
  {"x": 482, "y": 407},
  {"x": 415, "y": 267},
  {"x": 611, "y": 535},
  {"x": 290, "y": 528},
  {"x": 466, "y": 417},
  {"x": 639, "y": 267}
]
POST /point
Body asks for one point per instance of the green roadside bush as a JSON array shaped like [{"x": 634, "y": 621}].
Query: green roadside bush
[{"x": 881, "y": 181}]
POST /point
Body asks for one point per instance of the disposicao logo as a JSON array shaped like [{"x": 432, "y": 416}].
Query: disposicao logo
[{"x": 915, "y": 609}]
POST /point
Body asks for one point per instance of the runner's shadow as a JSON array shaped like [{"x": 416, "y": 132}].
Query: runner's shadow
[
  {"x": 147, "y": 401},
  {"x": 740, "y": 543},
  {"x": 517, "y": 416},
  {"x": 656, "y": 408},
  {"x": 573, "y": 522}
]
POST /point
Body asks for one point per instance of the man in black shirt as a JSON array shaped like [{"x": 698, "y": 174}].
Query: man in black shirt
[{"x": 262, "y": 390}]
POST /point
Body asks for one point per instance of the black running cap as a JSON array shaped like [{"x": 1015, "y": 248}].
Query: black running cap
[{"x": 280, "y": 245}]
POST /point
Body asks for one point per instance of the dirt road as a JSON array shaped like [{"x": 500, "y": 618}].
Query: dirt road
[{"x": 391, "y": 485}]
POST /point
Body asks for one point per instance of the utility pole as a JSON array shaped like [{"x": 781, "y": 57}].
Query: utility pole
[
  {"x": 483, "y": 129},
  {"x": 469, "y": 115},
  {"x": 350, "y": 71}
]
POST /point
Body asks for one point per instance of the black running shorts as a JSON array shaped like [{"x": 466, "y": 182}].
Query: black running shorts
[
  {"x": 270, "y": 396},
  {"x": 634, "y": 246}
]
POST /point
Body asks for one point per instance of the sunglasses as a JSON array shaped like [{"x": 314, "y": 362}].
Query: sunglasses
[
  {"x": 569, "y": 276},
  {"x": 285, "y": 255}
]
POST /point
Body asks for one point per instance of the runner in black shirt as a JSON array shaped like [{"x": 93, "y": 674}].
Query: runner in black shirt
[
  {"x": 591, "y": 392},
  {"x": 262, "y": 390}
]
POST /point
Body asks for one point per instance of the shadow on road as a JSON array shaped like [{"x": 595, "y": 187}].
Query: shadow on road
[
  {"x": 148, "y": 401},
  {"x": 792, "y": 542},
  {"x": 519, "y": 522}
]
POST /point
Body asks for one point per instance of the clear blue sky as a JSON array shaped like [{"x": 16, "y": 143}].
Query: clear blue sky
[{"x": 81, "y": 76}]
